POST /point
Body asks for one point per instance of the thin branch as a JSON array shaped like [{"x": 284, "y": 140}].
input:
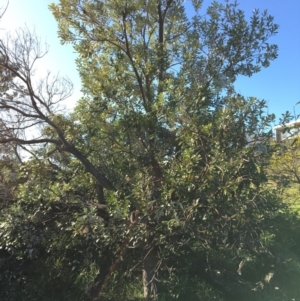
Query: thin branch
[{"x": 27, "y": 142}]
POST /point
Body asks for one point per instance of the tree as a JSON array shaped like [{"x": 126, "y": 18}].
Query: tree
[
  {"x": 28, "y": 108},
  {"x": 160, "y": 129},
  {"x": 155, "y": 79},
  {"x": 284, "y": 170}
]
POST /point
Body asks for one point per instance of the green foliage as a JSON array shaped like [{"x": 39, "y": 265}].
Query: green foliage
[
  {"x": 284, "y": 171},
  {"x": 190, "y": 201}
]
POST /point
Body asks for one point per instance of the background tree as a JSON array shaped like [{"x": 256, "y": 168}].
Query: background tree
[{"x": 284, "y": 170}]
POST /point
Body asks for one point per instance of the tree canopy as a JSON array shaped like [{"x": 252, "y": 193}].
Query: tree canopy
[{"x": 155, "y": 186}]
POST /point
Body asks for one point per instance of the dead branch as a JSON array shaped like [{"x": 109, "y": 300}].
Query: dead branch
[{"x": 27, "y": 108}]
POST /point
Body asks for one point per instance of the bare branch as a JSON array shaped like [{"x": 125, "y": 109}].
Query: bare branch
[
  {"x": 5, "y": 9},
  {"x": 26, "y": 142},
  {"x": 25, "y": 106}
]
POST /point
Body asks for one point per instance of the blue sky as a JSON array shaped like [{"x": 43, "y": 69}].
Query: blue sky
[{"x": 279, "y": 84}]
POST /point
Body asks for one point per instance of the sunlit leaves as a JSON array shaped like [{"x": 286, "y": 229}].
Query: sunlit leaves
[{"x": 160, "y": 117}]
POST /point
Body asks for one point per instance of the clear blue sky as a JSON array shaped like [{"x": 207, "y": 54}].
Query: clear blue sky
[{"x": 279, "y": 84}]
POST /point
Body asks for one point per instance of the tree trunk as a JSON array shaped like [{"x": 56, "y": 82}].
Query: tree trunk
[{"x": 149, "y": 273}]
